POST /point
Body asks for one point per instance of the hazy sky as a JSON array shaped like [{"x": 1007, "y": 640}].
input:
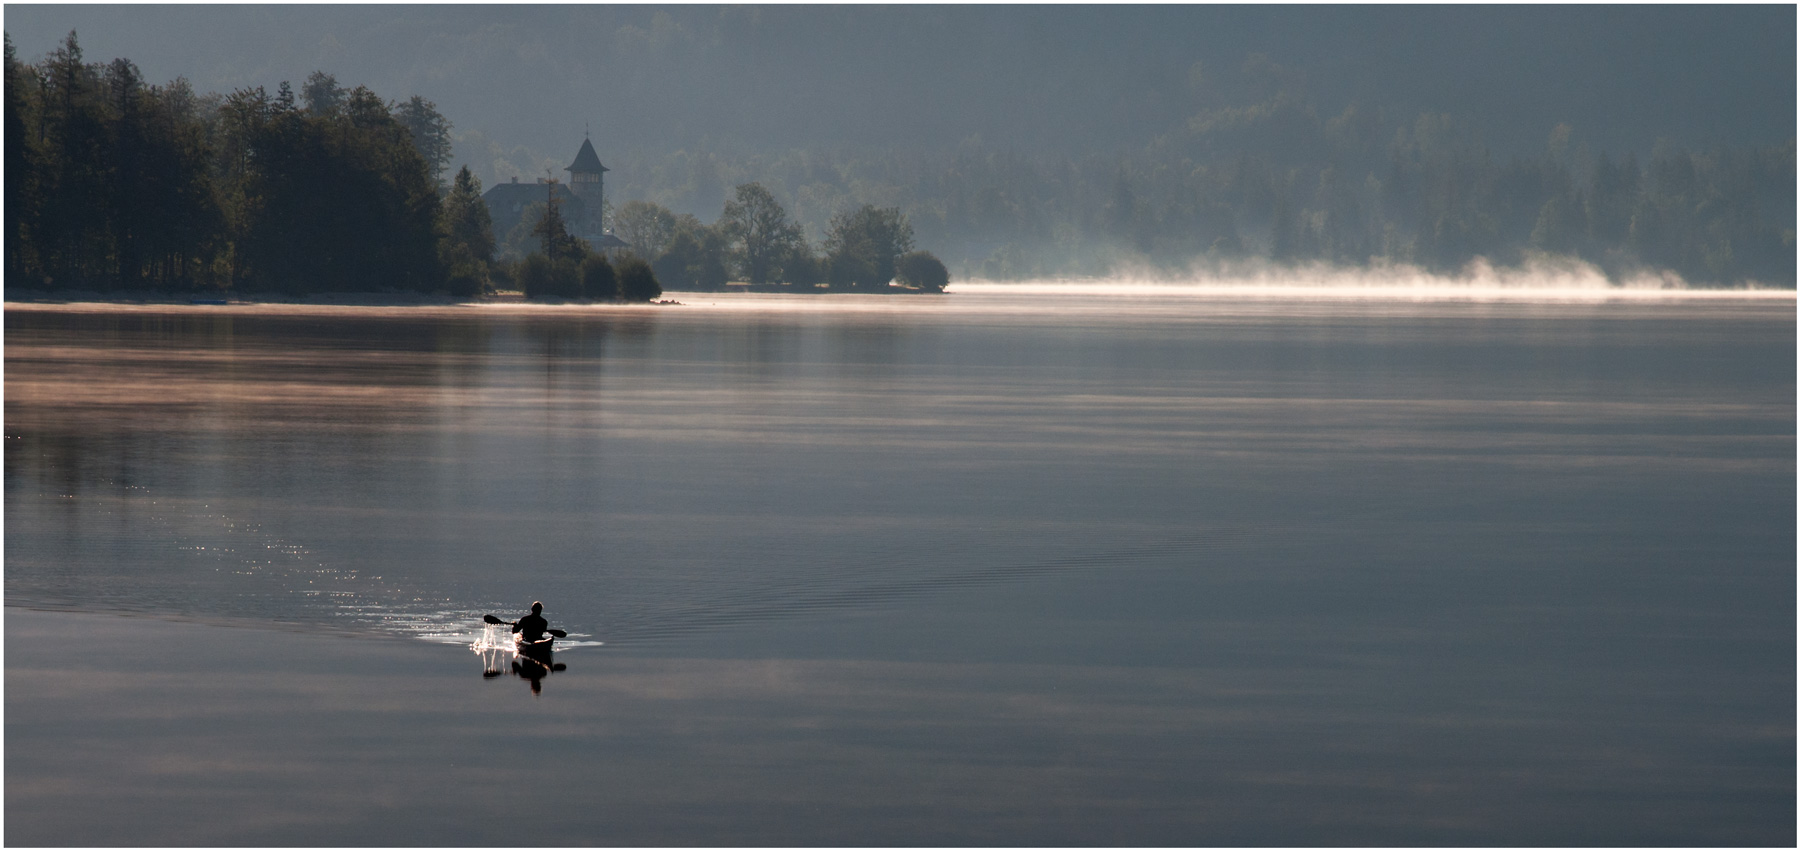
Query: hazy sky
[{"x": 1067, "y": 79}]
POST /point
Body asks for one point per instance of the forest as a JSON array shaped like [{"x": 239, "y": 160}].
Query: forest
[{"x": 117, "y": 184}]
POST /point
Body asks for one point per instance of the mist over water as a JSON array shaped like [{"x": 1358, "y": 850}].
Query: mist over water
[{"x": 1545, "y": 278}]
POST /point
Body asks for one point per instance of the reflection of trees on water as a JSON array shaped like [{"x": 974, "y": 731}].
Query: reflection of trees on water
[
  {"x": 153, "y": 460},
  {"x": 291, "y": 466}
]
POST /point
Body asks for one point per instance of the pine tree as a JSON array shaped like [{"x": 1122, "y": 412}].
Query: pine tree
[
  {"x": 466, "y": 216},
  {"x": 430, "y": 132},
  {"x": 554, "y": 237}
]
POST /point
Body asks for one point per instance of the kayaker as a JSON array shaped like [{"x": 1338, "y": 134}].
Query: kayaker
[{"x": 532, "y": 626}]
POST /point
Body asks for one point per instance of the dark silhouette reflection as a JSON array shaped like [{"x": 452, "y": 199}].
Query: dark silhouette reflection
[{"x": 529, "y": 662}]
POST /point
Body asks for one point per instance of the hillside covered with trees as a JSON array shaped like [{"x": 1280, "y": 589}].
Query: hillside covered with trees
[
  {"x": 1258, "y": 173},
  {"x": 1026, "y": 148}
]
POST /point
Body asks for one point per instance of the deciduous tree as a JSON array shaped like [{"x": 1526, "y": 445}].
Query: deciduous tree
[
  {"x": 922, "y": 270},
  {"x": 646, "y": 226},
  {"x": 598, "y": 278},
  {"x": 637, "y": 281},
  {"x": 862, "y": 244},
  {"x": 322, "y": 94},
  {"x": 695, "y": 258},
  {"x": 759, "y": 233}
]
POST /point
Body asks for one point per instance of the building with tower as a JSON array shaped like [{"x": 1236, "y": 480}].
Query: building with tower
[
  {"x": 587, "y": 181},
  {"x": 582, "y": 201}
]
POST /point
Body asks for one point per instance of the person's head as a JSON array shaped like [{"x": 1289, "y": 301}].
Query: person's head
[{"x": 537, "y": 608}]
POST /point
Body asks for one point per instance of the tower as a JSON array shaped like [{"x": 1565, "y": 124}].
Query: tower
[{"x": 587, "y": 182}]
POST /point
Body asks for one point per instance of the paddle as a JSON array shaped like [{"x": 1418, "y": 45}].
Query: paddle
[{"x": 498, "y": 622}]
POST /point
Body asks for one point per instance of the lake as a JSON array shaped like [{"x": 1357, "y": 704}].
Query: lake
[{"x": 1014, "y": 565}]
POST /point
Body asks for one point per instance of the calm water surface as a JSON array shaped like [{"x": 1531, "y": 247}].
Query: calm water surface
[{"x": 1151, "y": 569}]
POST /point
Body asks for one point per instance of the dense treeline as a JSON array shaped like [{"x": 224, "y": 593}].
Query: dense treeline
[
  {"x": 114, "y": 184},
  {"x": 753, "y": 242},
  {"x": 1256, "y": 172},
  {"x": 119, "y": 185}
]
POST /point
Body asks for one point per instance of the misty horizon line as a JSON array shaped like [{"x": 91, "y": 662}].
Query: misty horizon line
[{"x": 1540, "y": 274}]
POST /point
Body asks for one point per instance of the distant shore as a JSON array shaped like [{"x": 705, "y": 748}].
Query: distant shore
[
  {"x": 351, "y": 299},
  {"x": 397, "y": 299},
  {"x": 1124, "y": 295}
]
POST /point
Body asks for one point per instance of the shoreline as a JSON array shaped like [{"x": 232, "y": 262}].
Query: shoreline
[
  {"x": 354, "y": 299},
  {"x": 1122, "y": 291},
  {"x": 77, "y": 297}
]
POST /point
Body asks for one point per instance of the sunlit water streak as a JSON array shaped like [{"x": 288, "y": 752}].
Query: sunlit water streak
[
  {"x": 287, "y": 580},
  {"x": 286, "y": 577},
  {"x": 264, "y": 574}
]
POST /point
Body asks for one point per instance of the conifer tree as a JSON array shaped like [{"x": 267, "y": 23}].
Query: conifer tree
[{"x": 466, "y": 216}]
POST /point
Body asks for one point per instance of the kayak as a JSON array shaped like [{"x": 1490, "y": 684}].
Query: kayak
[{"x": 540, "y": 647}]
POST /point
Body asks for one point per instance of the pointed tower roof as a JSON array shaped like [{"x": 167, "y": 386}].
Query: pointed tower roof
[{"x": 586, "y": 161}]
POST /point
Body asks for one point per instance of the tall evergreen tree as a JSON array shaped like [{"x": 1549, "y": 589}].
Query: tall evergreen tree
[
  {"x": 21, "y": 172},
  {"x": 553, "y": 234},
  {"x": 466, "y": 217},
  {"x": 430, "y": 132},
  {"x": 467, "y": 246},
  {"x": 74, "y": 239}
]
